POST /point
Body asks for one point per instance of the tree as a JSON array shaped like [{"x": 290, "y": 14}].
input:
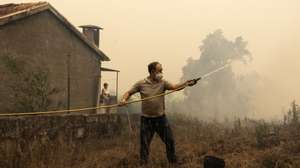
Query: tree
[{"x": 222, "y": 94}]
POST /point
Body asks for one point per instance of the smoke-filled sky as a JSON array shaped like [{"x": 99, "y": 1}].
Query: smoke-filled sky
[{"x": 137, "y": 32}]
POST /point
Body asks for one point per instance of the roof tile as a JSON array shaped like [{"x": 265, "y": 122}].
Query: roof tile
[{"x": 13, "y": 8}]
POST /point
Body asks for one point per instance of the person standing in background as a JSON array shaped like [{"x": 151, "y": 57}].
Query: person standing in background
[{"x": 105, "y": 95}]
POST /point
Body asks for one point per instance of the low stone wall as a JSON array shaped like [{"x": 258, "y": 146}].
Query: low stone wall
[
  {"x": 25, "y": 139},
  {"x": 72, "y": 126}
]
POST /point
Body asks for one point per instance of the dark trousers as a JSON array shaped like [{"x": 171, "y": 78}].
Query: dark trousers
[{"x": 161, "y": 126}]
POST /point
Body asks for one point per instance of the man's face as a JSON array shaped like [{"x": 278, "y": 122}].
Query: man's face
[
  {"x": 157, "y": 73},
  {"x": 158, "y": 69}
]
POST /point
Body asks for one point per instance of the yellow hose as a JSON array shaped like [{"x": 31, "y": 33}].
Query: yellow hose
[{"x": 88, "y": 108}]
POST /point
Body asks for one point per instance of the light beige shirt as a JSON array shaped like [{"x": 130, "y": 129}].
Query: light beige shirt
[{"x": 154, "y": 107}]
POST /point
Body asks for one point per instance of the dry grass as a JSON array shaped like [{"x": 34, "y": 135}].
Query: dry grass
[{"x": 248, "y": 144}]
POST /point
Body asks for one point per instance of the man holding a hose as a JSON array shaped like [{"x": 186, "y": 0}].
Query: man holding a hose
[{"x": 153, "y": 117}]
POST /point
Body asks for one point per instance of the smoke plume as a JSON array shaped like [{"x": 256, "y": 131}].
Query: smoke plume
[{"x": 225, "y": 94}]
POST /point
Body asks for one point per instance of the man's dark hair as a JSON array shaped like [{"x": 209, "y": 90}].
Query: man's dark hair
[
  {"x": 105, "y": 84},
  {"x": 152, "y": 66}
]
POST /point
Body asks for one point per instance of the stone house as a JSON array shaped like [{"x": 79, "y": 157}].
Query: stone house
[{"x": 37, "y": 34}]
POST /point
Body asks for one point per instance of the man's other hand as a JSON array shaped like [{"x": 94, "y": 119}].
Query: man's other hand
[{"x": 122, "y": 102}]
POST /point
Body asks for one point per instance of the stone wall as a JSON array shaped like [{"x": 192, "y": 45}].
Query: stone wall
[{"x": 24, "y": 140}]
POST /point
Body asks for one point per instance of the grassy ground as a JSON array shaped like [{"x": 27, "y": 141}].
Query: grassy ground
[{"x": 243, "y": 144}]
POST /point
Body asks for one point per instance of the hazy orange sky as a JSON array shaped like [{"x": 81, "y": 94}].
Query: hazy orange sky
[{"x": 137, "y": 32}]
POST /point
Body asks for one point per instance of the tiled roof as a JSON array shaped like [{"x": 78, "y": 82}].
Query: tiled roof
[
  {"x": 12, "y": 8},
  {"x": 12, "y": 12}
]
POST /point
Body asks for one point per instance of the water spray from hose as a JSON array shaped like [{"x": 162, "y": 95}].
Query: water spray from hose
[{"x": 212, "y": 72}]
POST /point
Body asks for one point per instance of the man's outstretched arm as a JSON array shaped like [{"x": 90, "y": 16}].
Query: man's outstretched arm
[{"x": 181, "y": 86}]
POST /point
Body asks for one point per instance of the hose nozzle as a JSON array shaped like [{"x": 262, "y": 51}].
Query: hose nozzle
[
  {"x": 197, "y": 79},
  {"x": 192, "y": 82}
]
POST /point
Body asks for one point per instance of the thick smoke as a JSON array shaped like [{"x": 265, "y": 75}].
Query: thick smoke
[{"x": 223, "y": 95}]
